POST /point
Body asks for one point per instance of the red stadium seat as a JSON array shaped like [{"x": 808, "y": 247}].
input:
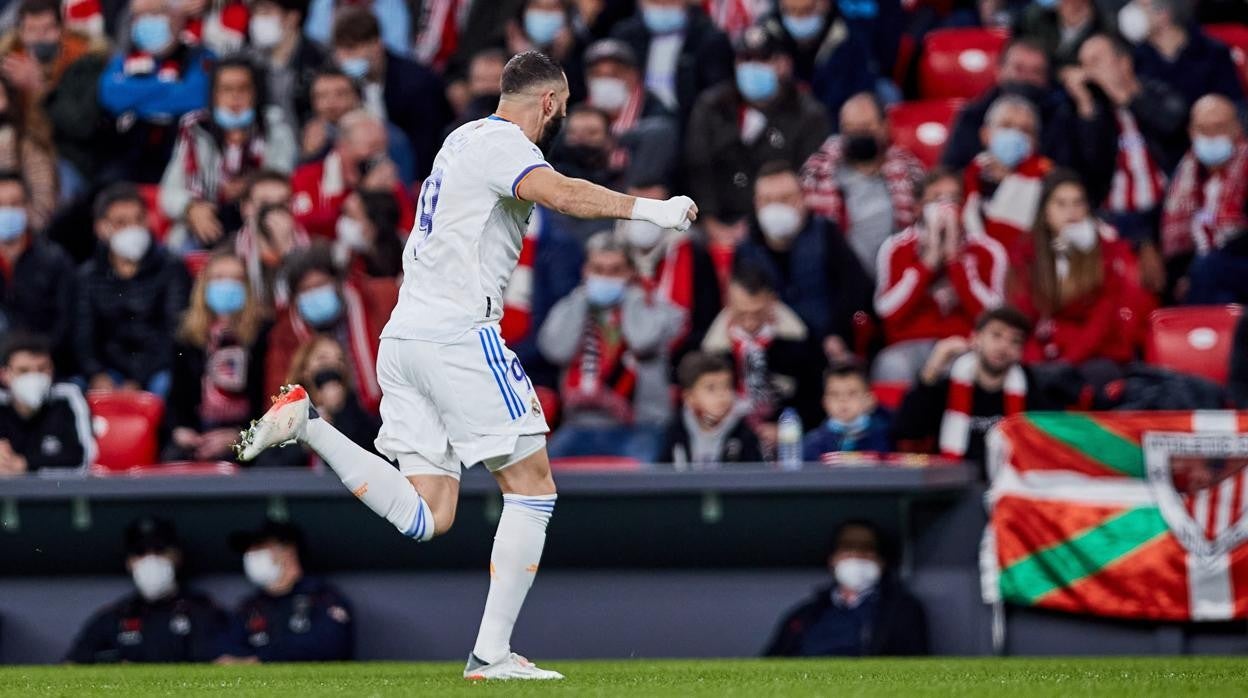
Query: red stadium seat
[
  {"x": 174, "y": 469},
  {"x": 548, "y": 398},
  {"x": 125, "y": 423},
  {"x": 1236, "y": 37},
  {"x": 923, "y": 127},
  {"x": 890, "y": 393},
  {"x": 196, "y": 261},
  {"x": 156, "y": 219},
  {"x": 596, "y": 464},
  {"x": 1194, "y": 340},
  {"x": 959, "y": 62}
]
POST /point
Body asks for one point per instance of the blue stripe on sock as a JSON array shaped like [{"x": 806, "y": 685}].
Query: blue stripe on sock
[
  {"x": 418, "y": 525},
  {"x": 498, "y": 346},
  {"x": 497, "y": 378}
]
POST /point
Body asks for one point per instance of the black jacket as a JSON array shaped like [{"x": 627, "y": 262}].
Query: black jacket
[
  {"x": 705, "y": 56},
  {"x": 721, "y": 167},
  {"x": 184, "y": 628},
  {"x": 899, "y": 629},
  {"x": 57, "y": 436},
  {"x": 416, "y": 103},
  {"x": 1203, "y": 66},
  {"x": 740, "y": 444},
  {"x": 964, "y": 143},
  {"x": 311, "y": 623},
  {"x": 37, "y": 295},
  {"x": 187, "y": 388},
  {"x": 127, "y": 325}
]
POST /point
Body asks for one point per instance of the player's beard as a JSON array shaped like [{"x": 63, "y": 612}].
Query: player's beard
[{"x": 549, "y": 132}]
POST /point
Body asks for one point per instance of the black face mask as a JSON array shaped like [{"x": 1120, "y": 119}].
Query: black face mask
[
  {"x": 326, "y": 376},
  {"x": 45, "y": 51},
  {"x": 860, "y": 147}
]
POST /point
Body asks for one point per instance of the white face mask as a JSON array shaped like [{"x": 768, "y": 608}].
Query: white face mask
[
  {"x": 265, "y": 30},
  {"x": 642, "y": 234},
  {"x": 1134, "y": 23},
  {"x": 608, "y": 93},
  {"x": 857, "y": 574},
  {"x": 1080, "y": 235},
  {"x": 261, "y": 568},
  {"x": 130, "y": 242},
  {"x": 154, "y": 576},
  {"x": 31, "y": 389},
  {"x": 351, "y": 233},
  {"x": 779, "y": 222}
]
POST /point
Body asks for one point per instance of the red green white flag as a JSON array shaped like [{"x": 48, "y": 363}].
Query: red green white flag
[{"x": 1129, "y": 515}]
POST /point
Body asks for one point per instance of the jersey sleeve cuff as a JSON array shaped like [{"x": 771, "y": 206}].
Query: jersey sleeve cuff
[{"x": 525, "y": 173}]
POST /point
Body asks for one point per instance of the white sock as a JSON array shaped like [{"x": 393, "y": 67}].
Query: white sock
[
  {"x": 513, "y": 564},
  {"x": 374, "y": 481}
]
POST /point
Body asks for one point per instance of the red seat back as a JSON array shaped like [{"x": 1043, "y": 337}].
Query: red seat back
[
  {"x": 156, "y": 219},
  {"x": 126, "y": 424},
  {"x": 1194, "y": 340},
  {"x": 1235, "y": 36},
  {"x": 890, "y": 393},
  {"x": 595, "y": 464},
  {"x": 923, "y": 127},
  {"x": 959, "y": 62}
]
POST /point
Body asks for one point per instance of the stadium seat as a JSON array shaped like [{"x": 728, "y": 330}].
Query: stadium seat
[
  {"x": 1236, "y": 37},
  {"x": 959, "y": 62},
  {"x": 923, "y": 127},
  {"x": 196, "y": 261},
  {"x": 595, "y": 464},
  {"x": 126, "y": 424},
  {"x": 156, "y": 219},
  {"x": 890, "y": 393},
  {"x": 1194, "y": 340}
]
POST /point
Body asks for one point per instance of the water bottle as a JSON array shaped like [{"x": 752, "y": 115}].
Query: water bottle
[{"x": 789, "y": 440}]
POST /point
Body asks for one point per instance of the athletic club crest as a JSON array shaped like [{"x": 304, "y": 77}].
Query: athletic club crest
[{"x": 1199, "y": 481}]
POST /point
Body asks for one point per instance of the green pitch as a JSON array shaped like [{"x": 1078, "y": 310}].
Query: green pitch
[{"x": 965, "y": 678}]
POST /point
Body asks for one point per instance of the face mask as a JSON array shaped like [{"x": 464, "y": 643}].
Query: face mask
[
  {"x": 856, "y": 574},
  {"x": 608, "y": 93},
  {"x": 1047, "y": 4},
  {"x": 154, "y": 576},
  {"x": 642, "y": 234},
  {"x": 233, "y": 121},
  {"x": 857, "y": 425},
  {"x": 1212, "y": 151},
  {"x": 351, "y": 233},
  {"x": 663, "y": 20},
  {"x": 355, "y": 68},
  {"x": 1134, "y": 23},
  {"x": 261, "y": 569},
  {"x": 45, "y": 51},
  {"x": 779, "y": 222},
  {"x": 12, "y": 223},
  {"x": 131, "y": 242},
  {"x": 802, "y": 28},
  {"x": 757, "y": 82},
  {"x": 265, "y": 31},
  {"x": 1009, "y": 146},
  {"x": 541, "y": 26},
  {"x": 1081, "y": 235},
  {"x": 225, "y": 296},
  {"x": 604, "y": 291},
  {"x": 860, "y": 147},
  {"x": 151, "y": 33},
  {"x": 319, "y": 306},
  {"x": 31, "y": 389}
]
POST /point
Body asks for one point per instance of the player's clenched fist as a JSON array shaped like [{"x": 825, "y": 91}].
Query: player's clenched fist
[{"x": 678, "y": 212}]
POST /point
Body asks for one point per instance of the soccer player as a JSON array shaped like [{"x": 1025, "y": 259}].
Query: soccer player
[{"x": 454, "y": 393}]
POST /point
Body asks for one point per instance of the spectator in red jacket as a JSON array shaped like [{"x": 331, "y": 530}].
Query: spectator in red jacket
[
  {"x": 358, "y": 163},
  {"x": 1079, "y": 286},
  {"x": 933, "y": 281}
]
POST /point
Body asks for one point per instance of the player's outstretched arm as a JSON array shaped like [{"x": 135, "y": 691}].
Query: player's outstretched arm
[{"x": 582, "y": 199}]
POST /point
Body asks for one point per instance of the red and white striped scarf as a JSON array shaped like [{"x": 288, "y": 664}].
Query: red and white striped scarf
[
  {"x": 224, "y": 383},
  {"x": 602, "y": 377},
  {"x": 437, "y": 31},
  {"x": 1190, "y": 222},
  {"x": 625, "y": 121},
  {"x": 955, "y": 425},
  {"x": 1006, "y": 216},
  {"x": 901, "y": 171},
  {"x": 360, "y": 349},
  {"x": 234, "y": 162},
  {"x": 735, "y": 16},
  {"x": 1138, "y": 183},
  {"x": 749, "y": 353}
]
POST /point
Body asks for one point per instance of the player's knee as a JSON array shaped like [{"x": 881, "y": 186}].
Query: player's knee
[{"x": 443, "y": 517}]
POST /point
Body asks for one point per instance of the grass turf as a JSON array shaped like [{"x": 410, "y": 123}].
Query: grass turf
[{"x": 997, "y": 678}]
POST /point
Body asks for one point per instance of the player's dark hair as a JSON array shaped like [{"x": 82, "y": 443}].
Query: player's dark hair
[
  {"x": 846, "y": 369},
  {"x": 318, "y": 257},
  {"x": 697, "y": 364},
  {"x": 752, "y": 279},
  {"x": 29, "y": 342},
  {"x": 1006, "y": 314},
  {"x": 529, "y": 69},
  {"x": 355, "y": 26},
  {"x": 29, "y": 8},
  {"x": 16, "y": 178},
  {"x": 113, "y": 194}
]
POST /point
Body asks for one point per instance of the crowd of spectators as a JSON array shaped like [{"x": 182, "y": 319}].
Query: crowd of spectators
[{"x": 206, "y": 199}]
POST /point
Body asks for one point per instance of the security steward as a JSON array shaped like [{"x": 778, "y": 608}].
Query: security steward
[
  {"x": 162, "y": 620},
  {"x": 291, "y": 617}
]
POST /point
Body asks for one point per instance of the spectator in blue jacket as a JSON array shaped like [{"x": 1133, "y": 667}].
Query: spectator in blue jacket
[
  {"x": 855, "y": 421},
  {"x": 148, "y": 88},
  {"x": 1173, "y": 49}
]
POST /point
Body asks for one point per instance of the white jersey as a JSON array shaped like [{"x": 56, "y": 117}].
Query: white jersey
[{"x": 468, "y": 233}]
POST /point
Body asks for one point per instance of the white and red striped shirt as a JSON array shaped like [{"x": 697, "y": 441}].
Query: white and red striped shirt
[{"x": 1139, "y": 184}]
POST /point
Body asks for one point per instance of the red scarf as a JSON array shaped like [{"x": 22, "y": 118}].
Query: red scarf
[
  {"x": 901, "y": 171},
  {"x": 624, "y": 122},
  {"x": 235, "y": 161},
  {"x": 602, "y": 376},
  {"x": 224, "y": 383},
  {"x": 1138, "y": 183},
  {"x": 955, "y": 425},
  {"x": 1185, "y": 225},
  {"x": 1007, "y": 215},
  {"x": 437, "y": 35}
]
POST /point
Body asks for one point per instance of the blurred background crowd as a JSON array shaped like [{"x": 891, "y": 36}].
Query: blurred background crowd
[{"x": 917, "y": 216}]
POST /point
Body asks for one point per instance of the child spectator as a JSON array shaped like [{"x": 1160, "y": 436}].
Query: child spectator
[
  {"x": 855, "y": 422},
  {"x": 42, "y": 424},
  {"x": 710, "y": 428},
  {"x": 218, "y": 364}
]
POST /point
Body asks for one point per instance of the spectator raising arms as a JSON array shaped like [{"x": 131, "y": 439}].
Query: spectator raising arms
[
  {"x": 218, "y": 364},
  {"x": 218, "y": 150},
  {"x": 42, "y": 424}
]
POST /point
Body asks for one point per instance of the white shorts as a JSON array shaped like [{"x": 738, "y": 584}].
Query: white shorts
[{"x": 466, "y": 402}]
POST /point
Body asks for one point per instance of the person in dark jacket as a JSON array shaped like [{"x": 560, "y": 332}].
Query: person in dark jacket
[
  {"x": 1237, "y": 384},
  {"x": 129, "y": 299},
  {"x": 291, "y": 617},
  {"x": 739, "y": 125},
  {"x": 290, "y": 61},
  {"x": 865, "y": 611},
  {"x": 218, "y": 364},
  {"x": 36, "y": 276},
  {"x": 1174, "y": 50},
  {"x": 1061, "y": 27},
  {"x": 42, "y": 424},
  {"x": 689, "y": 53},
  {"x": 710, "y": 428},
  {"x": 162, "y": 620},
  {"x": 395, "y": 89},
  {"x": 855, "y": 420}
]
